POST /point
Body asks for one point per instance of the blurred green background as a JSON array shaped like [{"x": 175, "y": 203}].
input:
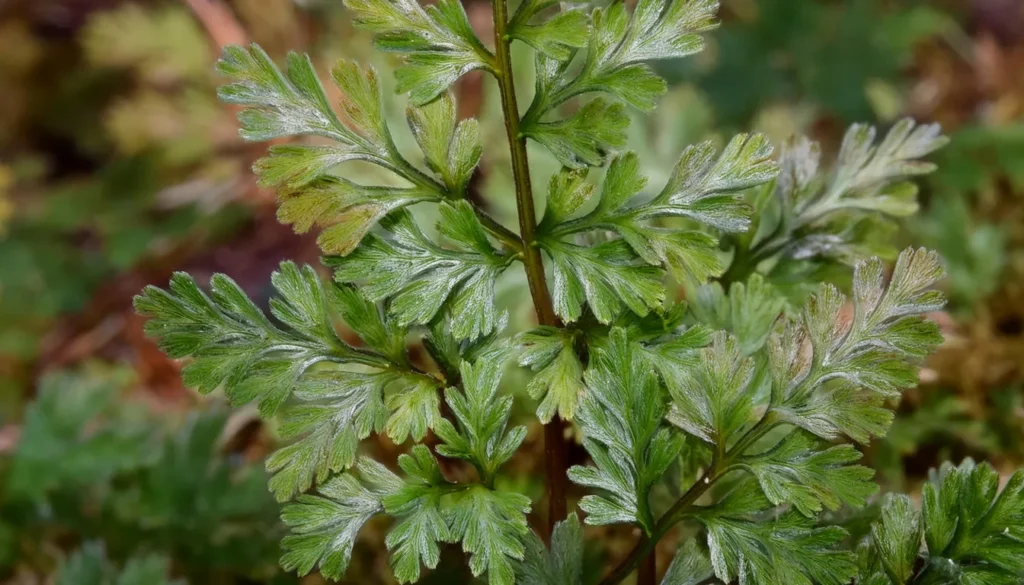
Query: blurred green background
[{"x": 118, "y": 167}]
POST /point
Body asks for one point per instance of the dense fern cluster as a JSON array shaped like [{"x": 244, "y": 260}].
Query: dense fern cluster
[{"x": 750, "y": 390}]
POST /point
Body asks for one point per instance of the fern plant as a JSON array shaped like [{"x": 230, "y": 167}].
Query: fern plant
[{"x": 741, "y": 403}]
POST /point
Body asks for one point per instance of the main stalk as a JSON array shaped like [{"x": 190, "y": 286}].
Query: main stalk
[{"x": 554, "y": 432}]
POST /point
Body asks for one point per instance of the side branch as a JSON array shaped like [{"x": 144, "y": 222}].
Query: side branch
[
  {"x": 685, "y": 504},
  {"x": 505, "y": 235},
  {"x": 646, "y": 545}
]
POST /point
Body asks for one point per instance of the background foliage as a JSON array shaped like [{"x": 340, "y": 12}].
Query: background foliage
[{"x": 118, "y": 166}]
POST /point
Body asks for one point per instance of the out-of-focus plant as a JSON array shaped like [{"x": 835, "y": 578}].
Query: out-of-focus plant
[
  {"x": 116, "y": 153},
  {"x": 840, "y": 59},
  {"x": 89, "y": 566},
  {"x": 92, "y": 468}
]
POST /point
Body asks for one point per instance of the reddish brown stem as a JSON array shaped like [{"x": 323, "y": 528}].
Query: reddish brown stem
[
  {"x": 554, "y": 433},
  {"x": 220, "y": 23},
  {"x": 555, "y": 466},
  {"x": 647, "y": 573}
]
